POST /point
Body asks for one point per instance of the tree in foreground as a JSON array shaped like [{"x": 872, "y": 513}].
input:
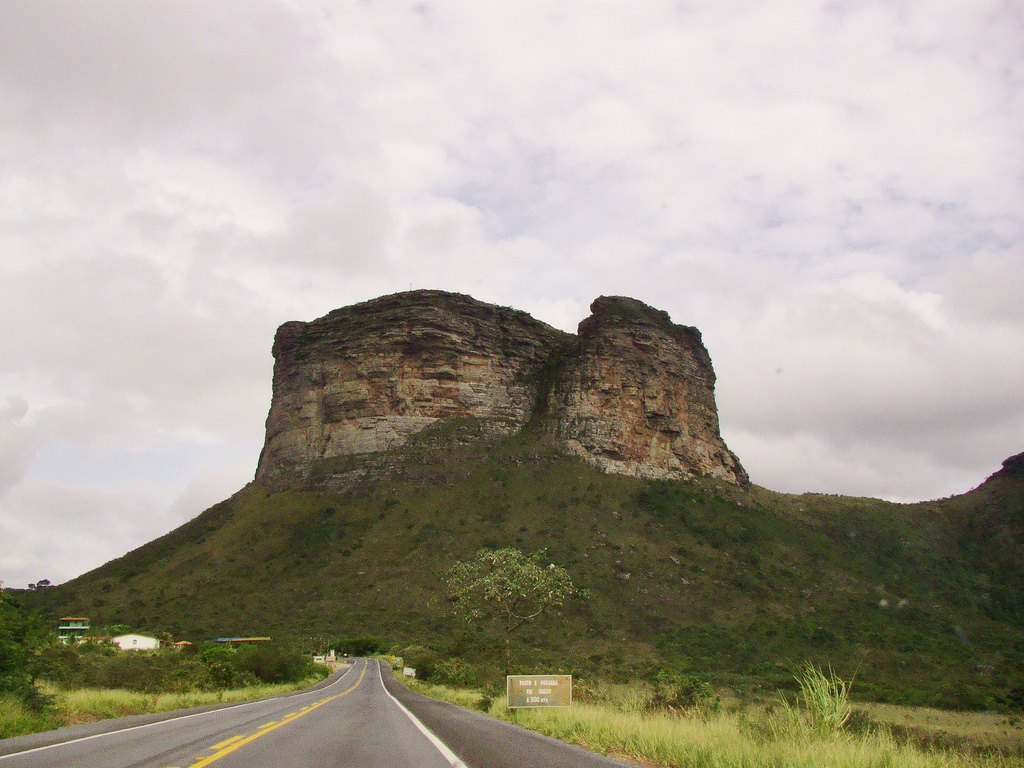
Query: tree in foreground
[
  {"x": 508, "y": 588},
  {"x": 23, "y": 642}
]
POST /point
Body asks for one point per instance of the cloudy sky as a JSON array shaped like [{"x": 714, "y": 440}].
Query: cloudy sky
[{"x": 833, "y": 192}]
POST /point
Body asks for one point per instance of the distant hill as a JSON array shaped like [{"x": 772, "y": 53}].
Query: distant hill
[{"x": 409, "y": 432}]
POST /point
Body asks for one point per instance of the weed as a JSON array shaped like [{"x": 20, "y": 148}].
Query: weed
[
  {"x": 823, "y": 704},
  {"x": 724, "y": 740}
]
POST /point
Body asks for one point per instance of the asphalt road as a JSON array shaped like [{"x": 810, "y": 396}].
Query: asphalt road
[{"x": 353, "y": 721}]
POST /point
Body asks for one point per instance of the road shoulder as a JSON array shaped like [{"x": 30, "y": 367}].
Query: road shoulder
[
  {"x": 484, "y": 741},
  {"x": 85, "y": 730}
]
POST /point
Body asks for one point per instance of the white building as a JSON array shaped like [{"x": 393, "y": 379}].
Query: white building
[{"x": 135, "y": 642}]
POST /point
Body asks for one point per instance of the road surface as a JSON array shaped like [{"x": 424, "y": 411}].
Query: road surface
[{"x": 355, "y": 721}]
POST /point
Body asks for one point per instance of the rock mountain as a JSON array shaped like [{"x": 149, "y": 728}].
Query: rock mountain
[{"x": 631, "y": 392}]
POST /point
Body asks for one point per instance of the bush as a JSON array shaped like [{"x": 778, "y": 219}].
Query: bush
[
  {"x": 213, "y": 667},
  {"x": 364, "y": 645},
  {"x": 219, "y": 662},
  {"x": 17, "y": 717},
  {"x": 455, "y": 672},
  {"x": 131, "y": 671},
  {"x": 272, "y": 663},
  {"x": 1015, "y": 698},
  {"x": 675, "y": 690},
  {"x": 423, "y": 660},
  {"x": 14, "y": 649}
]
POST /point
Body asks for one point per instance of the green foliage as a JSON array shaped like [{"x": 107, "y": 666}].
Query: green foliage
[
  {"x": 14, "y": 648},
  {"x": 679, "y": 691},
  {"x": 18, "y": 717},
  {"x": 23, "y": 645},
  {"x": 90, "y": 704},
  {"x": 823, "y": 703},
  {"x": 215, "y": 667},
  {"x": 739, "y": 739},
  {"x": 269, "y": 663},
  {"x": 507, "y": 587},
  {"x": 455, "y": 672},
  {"x": 361, "y": 645},
  {"x": 421, "y": 659}
]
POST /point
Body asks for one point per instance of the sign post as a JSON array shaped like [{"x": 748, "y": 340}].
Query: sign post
[{"x": 525, "y": 691}]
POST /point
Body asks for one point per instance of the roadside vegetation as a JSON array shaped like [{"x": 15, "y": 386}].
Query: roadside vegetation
[
  {"x": 697, "y": 727},
  {"x": 86, "y": 705},
  {"x": 45, "y": 685},
  {"x": 508, "y": 589}
]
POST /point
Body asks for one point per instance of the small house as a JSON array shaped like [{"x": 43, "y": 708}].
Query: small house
[
  {"x": 72, "y": 628},
  {"x": 135, "y": 642}
]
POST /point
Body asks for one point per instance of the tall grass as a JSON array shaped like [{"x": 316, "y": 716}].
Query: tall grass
[
  {"x": 726, "y": 740},
  {"x": 17, "y": 719},
  {"x": 823, "y": 704},
  {"x": 461, "y": 696},
  {"x": 615, "y": 722},
  {"x": 86, "y": 705}
]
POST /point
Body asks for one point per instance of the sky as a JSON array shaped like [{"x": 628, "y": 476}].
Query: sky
[{"x": 831, "y": 191}]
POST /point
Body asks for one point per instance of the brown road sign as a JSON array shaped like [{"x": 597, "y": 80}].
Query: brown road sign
[{"x": 538, "y": 691}]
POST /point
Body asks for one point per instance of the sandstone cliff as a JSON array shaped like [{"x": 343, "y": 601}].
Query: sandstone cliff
[
  {"x": 632, "y": 392},
  {"x": 635, "y": 395}
]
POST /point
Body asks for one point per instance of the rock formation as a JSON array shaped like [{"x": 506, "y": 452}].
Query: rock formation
[
  {"x": 632, "y": 392},
  {"x": 635, "y": 395}
]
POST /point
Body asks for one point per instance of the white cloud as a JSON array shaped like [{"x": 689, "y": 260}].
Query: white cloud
[
  {"x": 17, "y": 443},
  {"x": 831, "y": 192}
]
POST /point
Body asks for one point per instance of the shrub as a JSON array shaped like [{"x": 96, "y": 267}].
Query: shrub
[
  {"x": 14, "y": 649},
  {"x": 823, "y": 705},
  {"x": 421, "y": 659},
  {"x": 131, "y": 671},
  {"x": 270, "y": 663},
  {"x": 455, "y": 672},
  {"x": 675, "y": 690},
  {"x": 364, "y": 645},
  {"x": 18, "y": 717}
]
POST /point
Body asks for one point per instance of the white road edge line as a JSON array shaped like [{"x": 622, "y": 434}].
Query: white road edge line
[
  {"x": 448, "y": 755},
  {"x": 164, "y": 722}
]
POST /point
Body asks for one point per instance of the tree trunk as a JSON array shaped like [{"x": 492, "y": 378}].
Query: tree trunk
[{"x": 508, "y": 653}]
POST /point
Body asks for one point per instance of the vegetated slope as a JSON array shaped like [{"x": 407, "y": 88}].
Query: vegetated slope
[{"x": 740, "y": 584}]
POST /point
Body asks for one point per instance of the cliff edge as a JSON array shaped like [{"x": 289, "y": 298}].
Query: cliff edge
[{"x": 632, "y": 392}]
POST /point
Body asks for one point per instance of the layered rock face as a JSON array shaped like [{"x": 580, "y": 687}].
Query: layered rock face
[
  {"x": 635, "y": 395},
  {"x": 632, "y": 392},
  {"x": 363, "y": 378}
]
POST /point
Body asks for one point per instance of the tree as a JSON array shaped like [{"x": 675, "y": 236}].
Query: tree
[
  {"x": 364, "y": 645},
  {"x": 24, "y": 641},
  {"x": 508, "y": 588},
  {"x": 14, "y": 676}
]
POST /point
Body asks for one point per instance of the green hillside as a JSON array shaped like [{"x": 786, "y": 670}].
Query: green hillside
[{"x": 740, "y": 585}]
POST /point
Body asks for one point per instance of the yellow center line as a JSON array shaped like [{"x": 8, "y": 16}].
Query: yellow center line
[
  {"x": 223, "y": 744},
  {"x": 229, "y": 746}
]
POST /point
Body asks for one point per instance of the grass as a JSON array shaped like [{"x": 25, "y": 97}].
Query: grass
[
  {"x": 728, "y": 741},
  {"x": 743, "y": 737},
  {"x": 461, "y": 696},
  {"x": 87, "y": 705},
  {"x": 17, "y": 719},
  {"x": 822, "y": 706},
  {"x": 936, "y": 727}
]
